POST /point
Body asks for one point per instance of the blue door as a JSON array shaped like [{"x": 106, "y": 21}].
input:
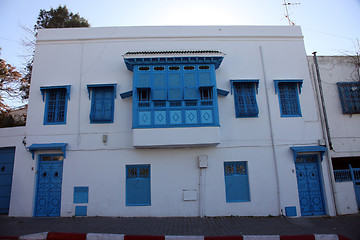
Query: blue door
[
  {"x": 6, "y": 173},
  {"x": 49, "y": 181},
  {"x": 309, "y": 185}
]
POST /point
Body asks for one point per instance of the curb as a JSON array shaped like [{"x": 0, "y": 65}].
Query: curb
[{"x": 106, "y": 236}]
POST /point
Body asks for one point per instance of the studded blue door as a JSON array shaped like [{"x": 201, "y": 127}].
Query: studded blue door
[
  {"x": 49, "y": 181},
  {"x": 6, "y": 173},
  {"x": 309, "y": 185}
]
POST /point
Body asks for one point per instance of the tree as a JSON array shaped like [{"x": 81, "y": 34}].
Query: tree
[
  {"x": 11, "y": 84},
  {"x": 54, "y": 18},
  {"x": 59, "y": 18}
]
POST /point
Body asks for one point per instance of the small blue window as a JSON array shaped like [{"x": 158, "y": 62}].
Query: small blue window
[
  {"x": 81, "y": 194},
  {"x": 102, "y": 103},
  {"x": 245, "y": 98},
  {"x": 56, "y": 104},
  {"x": 349, "y": 96},
  {"x": 138, "y": 185},
  {"x": 81, "y": 211},
  {"x": 236, "y": 182},
  {"x": 288, "y": 92}
]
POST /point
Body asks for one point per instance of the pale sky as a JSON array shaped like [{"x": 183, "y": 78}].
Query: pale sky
[{"x": 330, "y": 27}]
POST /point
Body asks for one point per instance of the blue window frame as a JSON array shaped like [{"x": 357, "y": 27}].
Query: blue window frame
[
  {"x": 138, "y": 185},
  {"x": 180, "y": 95},
  {"x": 81, "y": 194},
  {"x": 349, "y": 93},
  {"x": 102, "y": 103},
  {"x": 288, "y": 92},
  {"x": 245, "y": 98},
  {"x": 236, "y": 182},
  {"x": 55, "y": 104}
]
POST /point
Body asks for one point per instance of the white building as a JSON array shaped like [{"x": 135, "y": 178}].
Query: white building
[
  {"x": 170, "y": 121},
  {"x": 340, "y": 83}
]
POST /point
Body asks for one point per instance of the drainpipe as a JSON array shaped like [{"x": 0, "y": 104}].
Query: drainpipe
[
  {"x": 271, "y": 134},
  {"x": 325, "y": 127},
  {"x": 322, "y": 102},
  {"x": 203, "y": 163}
]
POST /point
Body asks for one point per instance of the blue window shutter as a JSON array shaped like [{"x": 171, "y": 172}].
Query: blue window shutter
[
  {"x": 174, "y": 92},
  {"x": 102, "y": 104},
  {"x": 159, "y": 87},
  {"x": 289, "y": 99},
  {"x": 55, "y": 108},
  {"x": 138, "y": 185},
  {"x": 236, "y": 182},
  {"x": 205, "y": 79},
  {"x": 349, "y": 93},
  {"x": 245, "y": 99},
  {"x": 191, "y": 88}
]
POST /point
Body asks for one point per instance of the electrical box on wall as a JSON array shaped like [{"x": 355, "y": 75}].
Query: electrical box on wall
[{"x": 203, "y": 161}]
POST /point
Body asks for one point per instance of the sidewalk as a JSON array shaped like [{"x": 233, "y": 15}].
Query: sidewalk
[{"x": 348, "y": 226}]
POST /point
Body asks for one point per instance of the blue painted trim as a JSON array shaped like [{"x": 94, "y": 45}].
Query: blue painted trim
[
  {"x": 90, "y": 86},
  {"x": 298, "y": 81},
  {"x": 221, "y": 92},
  {"x": 308, "y": 149},
  {"x": 67, "y": 87},
  {"x": 47, "y": 146},
  {"x": 255, "y": 81},
  {"x": 131, "y": 62},
  {"x": 126, "y": 94}
]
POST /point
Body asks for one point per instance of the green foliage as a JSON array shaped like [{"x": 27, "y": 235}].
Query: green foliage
[{"x": 59, "y": 18}]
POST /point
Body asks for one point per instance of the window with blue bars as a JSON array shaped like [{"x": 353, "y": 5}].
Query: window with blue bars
[
  {"x": 236, "y": 182},
  {"x": 245, "y": 98},
  {"x": 138, "y": 185},
  {"x": 55, "y": 104},
  {"x": 180, "y": 95},
  {"x": 102, "y": 103},
  {"x": 349, "y": 93},
  {"x": 289, "y": 99}
]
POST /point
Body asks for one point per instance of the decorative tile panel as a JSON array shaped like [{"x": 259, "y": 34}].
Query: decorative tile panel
[
  {"x": 191, "y": 117},
  {"x": 160, "y": 117},
  {"x": 144, "y": 118},
  {"x": 175, "y": 117}
]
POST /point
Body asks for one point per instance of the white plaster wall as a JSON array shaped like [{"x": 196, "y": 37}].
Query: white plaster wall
[
  {"x": 23, "y": 172},
  {"x": 344, "y": 128},
  {"x": 94, "y": 56},
  {"x": 345, "y": 198}
]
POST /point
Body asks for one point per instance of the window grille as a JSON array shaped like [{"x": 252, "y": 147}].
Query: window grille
[
  {"x": 289, "y": 99},
  {"x": 56, "y": 106},
  {"x": 245, "y": 99},
  {"x": 349, "y": 96}
]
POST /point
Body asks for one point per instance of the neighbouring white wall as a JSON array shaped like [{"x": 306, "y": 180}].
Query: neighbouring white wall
[
  {"x": 79, "y": 57},
  {"x": 345, "y": 198},
  {"x": 344, "y": 128}
]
